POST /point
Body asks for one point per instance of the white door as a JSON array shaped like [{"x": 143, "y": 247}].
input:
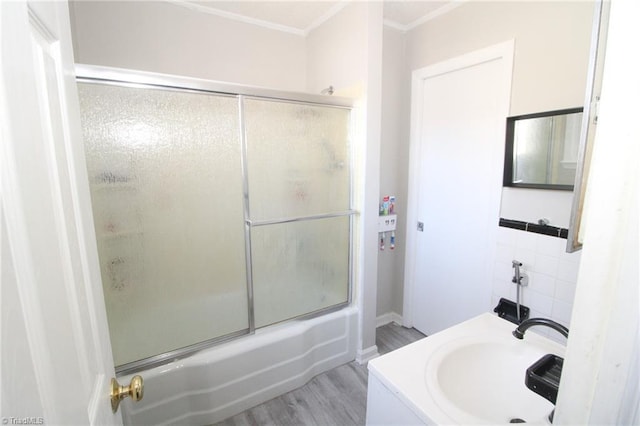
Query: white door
[
  {"x": 56, "y": 355},
  {"x": 457, "y": 150}
]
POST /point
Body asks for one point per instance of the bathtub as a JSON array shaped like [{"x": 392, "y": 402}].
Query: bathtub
[
  {"x": 227, "y": 379},
  {"x": 471, "y": 373}
]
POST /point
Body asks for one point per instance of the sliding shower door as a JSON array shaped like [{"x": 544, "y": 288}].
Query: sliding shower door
[
  {"x": 216, "y": 211},
  {"x": 166, "y": 181},
  {"x": 298, "y": 158}
]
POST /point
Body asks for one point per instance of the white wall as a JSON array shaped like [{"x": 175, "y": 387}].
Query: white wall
[
  {"x": 552, "y": 47},
  {"x": 336, "y": 53},
  {"x": 550, "y": 66},
  {"x": 346, "y": 52},
  {"x": 394, "y": 158},
  {"x": 167, "y": 38}
]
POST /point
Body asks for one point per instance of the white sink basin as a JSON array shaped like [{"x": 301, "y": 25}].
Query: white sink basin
[
  {"x": 471, "y": 373},
  {"x": 481, "y": 379}
]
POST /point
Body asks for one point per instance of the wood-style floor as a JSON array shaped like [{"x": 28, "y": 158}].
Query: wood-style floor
[{"x": 337, "y": 397}]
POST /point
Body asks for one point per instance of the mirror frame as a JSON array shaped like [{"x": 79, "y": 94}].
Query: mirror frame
[
  {"x": 507, "y": 180},
  {"x": 589, "y": 121}
]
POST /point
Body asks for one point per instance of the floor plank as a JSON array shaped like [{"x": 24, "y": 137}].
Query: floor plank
[
  {"x": 335, "y": 398},
  {"x": 392, "y": 336}
]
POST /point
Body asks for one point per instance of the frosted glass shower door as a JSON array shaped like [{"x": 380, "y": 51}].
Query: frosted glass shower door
[
  {"x": 299, "y": 181},
  {"x": 166, "y": 183}
]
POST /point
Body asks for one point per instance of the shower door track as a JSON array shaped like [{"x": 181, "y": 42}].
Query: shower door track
[
  {"x": 144, "y": 79},
  {"x": 148, "y": 80}
]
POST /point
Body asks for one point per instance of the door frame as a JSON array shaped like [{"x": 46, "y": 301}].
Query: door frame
[{"x": 502, "y": 51}]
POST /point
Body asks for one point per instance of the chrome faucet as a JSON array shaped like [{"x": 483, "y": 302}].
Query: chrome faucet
[{"x": 524, "y": 326}]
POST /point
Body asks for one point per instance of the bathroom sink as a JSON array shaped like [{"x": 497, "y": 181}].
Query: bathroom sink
[
  {"x": 481, "y": 379},
  {"x": 471, "y": 373}
]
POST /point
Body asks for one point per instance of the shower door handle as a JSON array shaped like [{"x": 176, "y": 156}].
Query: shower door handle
[{"x": 135, "y": 390}]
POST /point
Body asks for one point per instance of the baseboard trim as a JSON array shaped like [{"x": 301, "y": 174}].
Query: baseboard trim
[
  {"x": 387, "y": 318},
  {"x": 365, "y": 355}
]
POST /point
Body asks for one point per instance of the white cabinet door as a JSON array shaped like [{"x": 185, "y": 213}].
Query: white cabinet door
[{"x": 56, "y": 354}]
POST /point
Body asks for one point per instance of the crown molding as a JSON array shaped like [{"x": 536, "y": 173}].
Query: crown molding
[
  {"x": 337, "y": 8},
  {"x": 330, "y": 13},
  {"x": 395, "y": 25},
  {"x": 428, "y": 17},
  {"x": 438, "y": 12},
  {"x": 236, "y": 17}
]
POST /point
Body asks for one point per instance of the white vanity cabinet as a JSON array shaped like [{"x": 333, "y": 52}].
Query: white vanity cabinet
[{"x": 384, "y": 407}]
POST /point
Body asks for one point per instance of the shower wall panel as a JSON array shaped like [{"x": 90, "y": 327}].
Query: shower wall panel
[{"x": 167, "y": 194}]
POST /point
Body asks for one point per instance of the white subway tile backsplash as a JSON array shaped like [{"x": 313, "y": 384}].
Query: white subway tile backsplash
[
  {"x": 552, "y": 273},
  {"x": 511, "y": 293},
  {"x": 568, "y": 271},
  {"x": 526, "y": 256},
  {"x": 546, "y": 265},
  {"x": 565, "y": 291},
  {"x": 550, "y": 246},
  {"x": 527, "y": 240},
  {"x": 534, "y": 313},
  {"x": 557, "y": 337},
  {"x": 543, "y": 304},
  {"x": 562, "y": 312},
  {"x": 542, "y": 283}
]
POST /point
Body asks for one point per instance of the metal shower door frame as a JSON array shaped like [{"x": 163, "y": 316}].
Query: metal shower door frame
[{"x": 147, "y": 80}]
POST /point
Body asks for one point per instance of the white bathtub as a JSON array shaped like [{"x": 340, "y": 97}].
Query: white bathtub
[
  {"x": 471, "y": 373},
  {"x": 222, "y": 381}
]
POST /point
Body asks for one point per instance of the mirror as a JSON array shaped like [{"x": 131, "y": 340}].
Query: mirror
[{"x": 542, "y": 149}]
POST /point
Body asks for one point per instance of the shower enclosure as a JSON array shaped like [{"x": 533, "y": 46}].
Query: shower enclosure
[{"x": 218, "y": 209}]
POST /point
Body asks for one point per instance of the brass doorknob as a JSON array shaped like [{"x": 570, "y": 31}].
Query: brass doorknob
[{"x": 135, "y": 390}]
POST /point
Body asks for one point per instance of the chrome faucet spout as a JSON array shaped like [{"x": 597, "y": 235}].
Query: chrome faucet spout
[{"x": 526, "y": 324}]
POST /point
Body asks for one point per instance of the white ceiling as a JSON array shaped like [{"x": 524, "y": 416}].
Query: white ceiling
[{"x": 301, "y": 16}]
